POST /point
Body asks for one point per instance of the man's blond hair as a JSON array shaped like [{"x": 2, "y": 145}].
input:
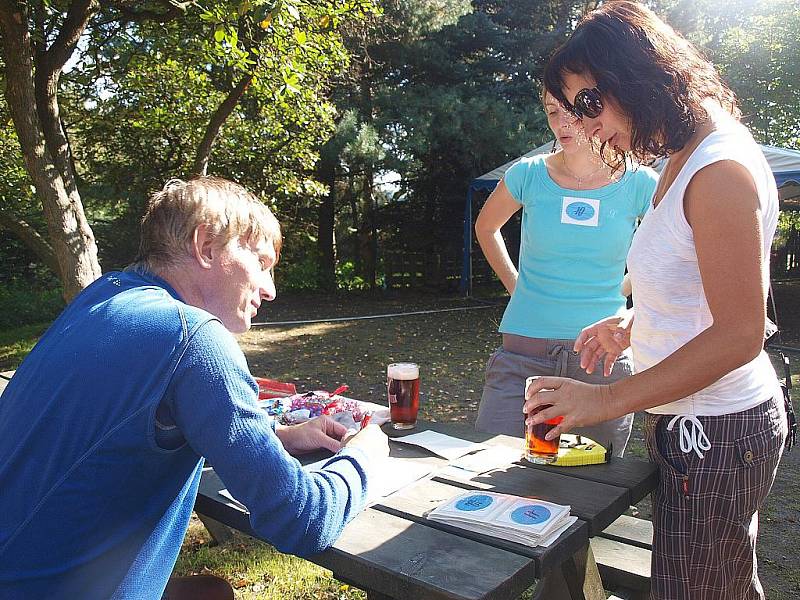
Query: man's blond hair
[{"x": 226, "y": 208}]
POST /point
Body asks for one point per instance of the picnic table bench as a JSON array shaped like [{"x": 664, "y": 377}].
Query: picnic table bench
[{"x": 392, "y": 550}]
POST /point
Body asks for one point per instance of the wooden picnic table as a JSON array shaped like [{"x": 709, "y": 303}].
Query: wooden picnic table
[{"x": 392, "y": 551}]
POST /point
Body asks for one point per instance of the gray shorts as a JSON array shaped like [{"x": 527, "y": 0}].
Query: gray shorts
[{"x": 500, "y": 410}]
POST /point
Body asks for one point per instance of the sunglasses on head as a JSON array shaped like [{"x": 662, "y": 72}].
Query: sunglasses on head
[{"x": 588, "y": 103}]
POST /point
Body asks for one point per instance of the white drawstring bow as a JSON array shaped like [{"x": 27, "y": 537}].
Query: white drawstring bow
[{"x": 694, "y": 439}]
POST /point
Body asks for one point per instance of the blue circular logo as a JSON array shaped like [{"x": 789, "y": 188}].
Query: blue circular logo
[
  {"x": 476, "y": 502},
  {"x": 580, "y": 211},
  {"x": 533, "y": 514}
]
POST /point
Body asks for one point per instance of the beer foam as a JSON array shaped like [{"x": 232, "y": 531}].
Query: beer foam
[{"x": 403, "y": 371}]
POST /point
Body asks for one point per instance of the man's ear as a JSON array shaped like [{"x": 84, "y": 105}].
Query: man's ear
[{"x": 202, "y": 248}]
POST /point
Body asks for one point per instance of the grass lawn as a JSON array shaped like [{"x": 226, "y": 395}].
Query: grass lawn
[
  {"x": 452, "y": 348},
  {"x": 17, "y": 342},
  {"x": 257, "y": 571}
]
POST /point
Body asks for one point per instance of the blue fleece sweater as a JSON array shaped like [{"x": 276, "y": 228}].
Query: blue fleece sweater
[{"x": 104, "y": 429}]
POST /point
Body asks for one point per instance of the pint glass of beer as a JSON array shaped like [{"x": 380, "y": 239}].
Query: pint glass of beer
[
  {"x": 537, "y": 449},
  {"x": 402, "y": 386}
]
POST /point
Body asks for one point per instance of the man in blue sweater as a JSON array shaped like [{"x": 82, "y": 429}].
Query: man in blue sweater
[{"x": 106, "y": 423}]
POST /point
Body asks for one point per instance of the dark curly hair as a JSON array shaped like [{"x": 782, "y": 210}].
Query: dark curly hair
[{"x": 656, "y": 77}]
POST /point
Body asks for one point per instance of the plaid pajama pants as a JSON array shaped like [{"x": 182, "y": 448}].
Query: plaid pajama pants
[{"x": 705, "y": 511}]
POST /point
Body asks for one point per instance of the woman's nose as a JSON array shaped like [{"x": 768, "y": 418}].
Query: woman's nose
[{"x": 591, "y": 127}]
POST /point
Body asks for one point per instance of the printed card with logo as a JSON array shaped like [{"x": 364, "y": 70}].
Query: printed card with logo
[
  {"x": 523, "y": 520},
  {"x": 473, "y": 505},
  {"x": 580, "y": 211},
  {"x": 530, "y": 515}
]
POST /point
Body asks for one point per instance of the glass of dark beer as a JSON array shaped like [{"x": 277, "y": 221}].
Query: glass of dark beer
[
  {"x": 402, "y": 386},
  {"x": 537, "y": 449}
]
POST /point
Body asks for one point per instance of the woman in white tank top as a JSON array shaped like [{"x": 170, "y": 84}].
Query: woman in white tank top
[{"x": 699, "y": 265}]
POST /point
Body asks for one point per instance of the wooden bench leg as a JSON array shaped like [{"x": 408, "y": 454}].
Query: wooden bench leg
[
  {"x": 576, "y": 579},
  {"x": 219, "y": 533}
]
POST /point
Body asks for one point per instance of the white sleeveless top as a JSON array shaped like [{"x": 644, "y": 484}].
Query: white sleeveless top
[{"x": 670, "y": 304}]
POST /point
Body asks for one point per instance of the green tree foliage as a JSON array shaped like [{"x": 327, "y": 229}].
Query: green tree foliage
[
  {"x": 143, "y": 122},
  {"x": 454, "y": 103},
  {"x": 760, "y": 57},
  {"x": 754, "y": 43},
  {"x": 149, "y": 89},
  {"x": 313, "y": 103}
]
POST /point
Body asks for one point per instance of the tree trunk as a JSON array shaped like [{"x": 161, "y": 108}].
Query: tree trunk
[
  {"x": 326, "y": 234},
  {"x": 43, "y": 143},
  {"x": 369, "y": 233},
  {"x": 215, "y": 124},
  {"x": 369, "y": 243}
]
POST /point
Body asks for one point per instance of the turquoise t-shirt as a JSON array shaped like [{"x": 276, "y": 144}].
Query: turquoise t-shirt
[{"x": 573, "y": 246}]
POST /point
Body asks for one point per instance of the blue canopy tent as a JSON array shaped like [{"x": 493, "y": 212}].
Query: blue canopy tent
[{"x": 785, "y": 164}]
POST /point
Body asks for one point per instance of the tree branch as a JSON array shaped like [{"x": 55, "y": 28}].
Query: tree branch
[
  {"x": 63, "y": 46},
  {"x": 35, "y": 242},
  {"x": 174, "y": 10},
  {"x": 215, "y": 124}
]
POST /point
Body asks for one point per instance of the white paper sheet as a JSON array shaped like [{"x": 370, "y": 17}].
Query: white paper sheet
[
  {"x": 391, "y": 475},
  {"x": 488, "y": 459},
  {"x": 226, "y": 494},
  {"x": 444, "y": 445}
]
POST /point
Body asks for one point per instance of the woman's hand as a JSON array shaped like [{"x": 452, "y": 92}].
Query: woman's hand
[
  {"x": 605, "y": 340},
  {"x": 580, "y": 404}
]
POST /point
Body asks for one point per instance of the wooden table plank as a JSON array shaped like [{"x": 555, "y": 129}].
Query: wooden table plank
[
  {"x": 598, "y": 504},
  {"x": 415, "y": 501},
  {"x": 636, "y": 475},
  {"x": 401, "y": 558},
  {"x": 424, "y": 562}
]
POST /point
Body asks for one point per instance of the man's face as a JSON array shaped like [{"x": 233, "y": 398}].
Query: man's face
[{"x": 241, "y": 280}]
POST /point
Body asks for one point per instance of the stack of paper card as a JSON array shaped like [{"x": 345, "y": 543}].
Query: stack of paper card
[{"x": 522, "y": 520}]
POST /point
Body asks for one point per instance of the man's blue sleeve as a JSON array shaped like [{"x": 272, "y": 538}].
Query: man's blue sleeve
[{"x": 213, "y": 402}]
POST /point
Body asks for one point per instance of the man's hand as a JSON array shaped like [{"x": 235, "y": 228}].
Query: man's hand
[
  {"x": 605, "y": 340},
  {"x": 372, "y": 441},
  {"x": 322, "y": 432}
]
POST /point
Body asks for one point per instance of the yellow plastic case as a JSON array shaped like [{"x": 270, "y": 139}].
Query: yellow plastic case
[{"x": 577, "y": 451}]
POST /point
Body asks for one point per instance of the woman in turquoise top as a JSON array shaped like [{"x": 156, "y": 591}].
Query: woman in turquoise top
[{"x": 578, "y": 220}]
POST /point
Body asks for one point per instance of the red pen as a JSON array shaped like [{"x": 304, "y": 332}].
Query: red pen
[{"x": 365, "y": 420}]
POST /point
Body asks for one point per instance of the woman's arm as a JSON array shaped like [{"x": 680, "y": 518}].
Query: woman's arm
[
  {"x": 498, "y": 209},
  {"x": 721, "y": 206},
  {"x": 626, "y": 289}
]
